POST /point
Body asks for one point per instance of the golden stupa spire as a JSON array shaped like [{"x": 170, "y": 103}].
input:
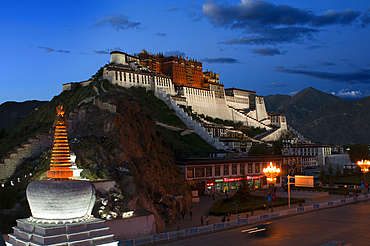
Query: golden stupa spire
[{"x": 60, "y": 162}]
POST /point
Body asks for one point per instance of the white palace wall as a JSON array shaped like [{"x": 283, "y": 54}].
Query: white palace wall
[{"x": 129, "y": 79}]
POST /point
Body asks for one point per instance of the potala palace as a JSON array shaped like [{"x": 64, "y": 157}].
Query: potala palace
[{"x": 182, "y": 81}]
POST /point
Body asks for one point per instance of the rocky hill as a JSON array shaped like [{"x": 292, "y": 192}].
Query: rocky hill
[
  {"x": 12, "y": 112},
  {"x": 323, "y": 117},
  {"x": 126, "y": 146}
]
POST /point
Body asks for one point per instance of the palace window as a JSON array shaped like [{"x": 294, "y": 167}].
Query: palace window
[
  {"x": 226, "y": 169},
  {"x": 250, "y": 168},
  {"x": 235, "y": 169},
  {"x": 242, "y": 169},
  {"x": 190, "y": 173},
  {"x": 208, "y": 171},
  {"x": 217, "y": 171},
  {"x": 120, "y": 76},
  {"x": 116, "y": 75},
  {"x": 124, "y": 77},
  {"x": 199, "y": 172},
  {"x": 257, "y": 168}
]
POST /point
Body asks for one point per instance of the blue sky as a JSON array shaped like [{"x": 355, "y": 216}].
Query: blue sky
[{"x": 272, "y": 47}]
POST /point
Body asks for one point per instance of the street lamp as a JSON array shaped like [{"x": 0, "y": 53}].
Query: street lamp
[
  {"x": 271, "y": 172},
  {"x": 364, "y": 165}
]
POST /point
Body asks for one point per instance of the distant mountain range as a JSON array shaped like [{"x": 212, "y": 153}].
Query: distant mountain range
[
  {"x": 324, "y": 118},
  {"x": 11, "y": 112}
]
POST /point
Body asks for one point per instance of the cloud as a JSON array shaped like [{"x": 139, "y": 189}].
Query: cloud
[
  {"x": 174, "y": 53},
  {"x": 314, "y": 47},
  {"x": 172, "y": 9},
  {"x": 331, "y": 17},
  {"x": 106, "y": 51},
  {"x": 359, "y": 76},
  {"x": 160, "y": 34},
  {"x": 365, "y": 18},
  {"x": 48, "y": 49},
  {"x": 327, "y": 64},
  {"x": 221, "y": 60},
  {"x": 118, "y": 22},
  {"x": 101, "y": 52},
  {"x": 267, "y": 52},
  {"x": 269, "y": 23},
  {"x": 276, "y": 85},
  {"x": 345, "y": 93},
  {"x": 275, "y": 36},
  {"x": 293, "y": 93}
]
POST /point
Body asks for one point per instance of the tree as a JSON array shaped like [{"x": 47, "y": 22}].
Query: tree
[
  {"x": 243, "y": 191},
  {"x": 277, "y": 147},
  {"x": 338, "y": 173},
  {"x": 358, "y": 152},
  {"x": 260, "y": 150}
]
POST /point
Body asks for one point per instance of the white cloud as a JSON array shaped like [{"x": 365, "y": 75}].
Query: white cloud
[
  {"x": 293, "y": 93},
  {"x": 345, "y": 93}
]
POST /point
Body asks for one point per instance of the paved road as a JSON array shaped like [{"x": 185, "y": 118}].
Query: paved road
[{"x": 349, "y": 224}]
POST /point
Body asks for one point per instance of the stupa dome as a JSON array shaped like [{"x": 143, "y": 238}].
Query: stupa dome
[{"x": 60, "y": 200}]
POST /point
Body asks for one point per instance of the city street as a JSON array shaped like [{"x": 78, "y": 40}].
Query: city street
[{"x": 348, "y": 224}]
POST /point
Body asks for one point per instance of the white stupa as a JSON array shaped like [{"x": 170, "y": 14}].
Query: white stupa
[{"x": 61, "y": 207}]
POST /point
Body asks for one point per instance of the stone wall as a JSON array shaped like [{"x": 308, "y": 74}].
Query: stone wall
[
  {"x": 131, "y": 227},
  {"x": 189, "y": 122},
  {"x": 105, "y": 106},
  {"x": 34, "y": 146}
]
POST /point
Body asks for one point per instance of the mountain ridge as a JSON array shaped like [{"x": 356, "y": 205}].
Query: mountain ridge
[{"x": 324, "y": 118}]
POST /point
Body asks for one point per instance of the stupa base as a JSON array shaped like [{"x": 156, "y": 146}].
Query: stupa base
[{"x": 89, "y": 232}]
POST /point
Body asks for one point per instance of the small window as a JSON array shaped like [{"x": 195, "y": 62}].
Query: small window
[
  {"x": 190, "y": 173},
  {"x": 217, "y": 171},
  {"x": 226, "y": 169},
  {"x": 208, "y": 171}
]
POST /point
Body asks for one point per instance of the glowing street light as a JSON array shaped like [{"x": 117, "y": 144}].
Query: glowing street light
[
  {"x": 364, "y": 165},
  {"x": 271, "y": 172}
]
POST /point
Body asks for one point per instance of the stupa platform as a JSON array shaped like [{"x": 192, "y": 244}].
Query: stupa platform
[{"x": 89, "y": 232}]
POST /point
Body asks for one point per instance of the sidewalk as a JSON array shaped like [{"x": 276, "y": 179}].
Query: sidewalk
[{"x": 202, "y": 208}]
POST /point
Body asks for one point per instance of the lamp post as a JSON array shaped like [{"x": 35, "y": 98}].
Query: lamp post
[
  {"x": 364, "y": 165},
  {"x": 271, "y": 172}
]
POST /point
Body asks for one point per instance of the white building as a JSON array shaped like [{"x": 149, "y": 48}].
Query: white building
[{"x": 312, "y": 154}]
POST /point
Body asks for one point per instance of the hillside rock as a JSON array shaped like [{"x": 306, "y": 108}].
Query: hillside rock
[{"x": 105, "y": 144}]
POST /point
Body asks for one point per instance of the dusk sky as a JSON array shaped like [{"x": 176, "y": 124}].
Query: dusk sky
[{"x": 271, "y": 47}]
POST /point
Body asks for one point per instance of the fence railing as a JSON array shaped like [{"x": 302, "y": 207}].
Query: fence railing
[
  {"x": 304, "y": 194},
  {"x": 175, "y": 235}
]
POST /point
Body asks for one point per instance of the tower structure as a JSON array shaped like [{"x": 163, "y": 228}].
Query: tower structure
[{"x": 60, "y": 163}]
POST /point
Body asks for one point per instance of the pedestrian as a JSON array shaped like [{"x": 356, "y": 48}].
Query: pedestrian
[
  {"x": 252, "y": 211},
  {"x": 183, "y": 214},
  {"x": 201, "y": 220},
  {"x": 207, "y": 220},
  {"x": 238, "y": 217},
  {"x": 213, "y": 196},
  {"x": 191, "y": 215},
  {"x": 227, "y": 194},
  {"x": 247, "y": 216},
  {"x": 345, "y": 194},
  {"x": 223, "y": 218}
]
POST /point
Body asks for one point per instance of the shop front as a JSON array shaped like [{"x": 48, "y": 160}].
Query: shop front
[{"x": 222, "y": 185}]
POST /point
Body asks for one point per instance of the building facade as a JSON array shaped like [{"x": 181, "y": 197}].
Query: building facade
[{"x": 215, "y": 175}]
